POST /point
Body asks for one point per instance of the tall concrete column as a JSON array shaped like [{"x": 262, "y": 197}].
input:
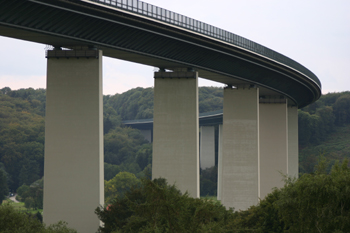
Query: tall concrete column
[
  {"x": 273, "y": 145},
  {"x": 207, "y": 147},
  {"x": 240, "y": 158},
  {"x": 219, "y": 183},
  {"x": 175, "y": 130},
  {"x": 73, "y": 173},
  {"x": 147, "y": 133},
  {"x": 293, "y": 146}
]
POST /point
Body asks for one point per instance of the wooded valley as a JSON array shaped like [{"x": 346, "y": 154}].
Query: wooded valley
[{"x": 324, "y": 129}]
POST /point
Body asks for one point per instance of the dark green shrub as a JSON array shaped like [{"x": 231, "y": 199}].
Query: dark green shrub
[{"x": 159, "y": 207}]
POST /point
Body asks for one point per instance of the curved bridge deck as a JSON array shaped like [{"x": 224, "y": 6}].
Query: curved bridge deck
[{"x": 139, "y": 32}]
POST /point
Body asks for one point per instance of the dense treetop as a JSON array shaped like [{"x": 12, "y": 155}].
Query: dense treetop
[{"x": 317, "y": 202}]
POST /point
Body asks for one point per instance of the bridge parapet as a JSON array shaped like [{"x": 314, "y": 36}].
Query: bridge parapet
[{"x": 175, "y": 19}]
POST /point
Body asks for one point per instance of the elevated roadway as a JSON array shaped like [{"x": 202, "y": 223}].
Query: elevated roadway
[{"x": 139, "y": 32}]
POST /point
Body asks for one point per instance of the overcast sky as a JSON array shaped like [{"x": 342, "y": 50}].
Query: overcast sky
[{"x": 315, "y": 33}]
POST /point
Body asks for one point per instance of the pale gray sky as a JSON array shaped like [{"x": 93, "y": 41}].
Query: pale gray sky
[{"x": 315, "y": 33}]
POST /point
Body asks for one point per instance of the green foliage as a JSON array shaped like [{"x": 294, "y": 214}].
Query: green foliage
[
  {"x": 261, "y": 218},
  {"x": 342, "y": 110},
  {"x": 13, "y": 221},
  {"x": 144, "y": 155},
  {"x": 29, "y": 203},
  {"x": 336, "y": 147},
  {"x": 136, "y": 103},
  {"x": 22, "y": 134},
  {"x": 122, "y": 144},
  {"x": 318, "y": 202},
  {"x": 22, "y": 131},
  {"x": 210, "y": 99},
  {"x": 317, "y": 120},
  {"x": 323, "y": 129},
  {"x": 208, "y": 181},
  {"x": 23, "y": 190},
  {"x": 29, "y": 172},
  {"x": 111, "y": 170},
  {"x": 119, "y": 185},
  {"x": 60, "y": 227},
  {"x": 32, "y": 195},
  {"x": 111, "y": 119},
  {"x": 158, "y": 207},
  {"x": 3, "y": 186}
]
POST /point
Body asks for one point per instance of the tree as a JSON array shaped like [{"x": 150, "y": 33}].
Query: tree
[
  {"x": 318, "y": 202},
  {"x": 263, "y": 217},
  {"x": 29, "y": 172},
  {"x": 342, "y": 110},
  {"x": 15, "y": 221},
  {"x": 144, "y": 155},
  {"x": 119, "y": 185},
  {"x": 208, "y": 181},
  {"x": 29, "y": 203},
  {"x": 3, "y": 186},
  {"x": 23, "y": 191},
  {"x": 156, "y": 206},
  {"x": 111, "y": 170},
  {"x": 305, "y": 127}
]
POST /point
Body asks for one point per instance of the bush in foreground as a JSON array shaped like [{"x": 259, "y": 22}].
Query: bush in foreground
[
  {"x": 317, "y": 202},
  {"x": 159, "y": 207},
  {"x": 14, "y": 221}
]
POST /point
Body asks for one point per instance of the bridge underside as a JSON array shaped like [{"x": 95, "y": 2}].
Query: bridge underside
[
  {"x": 123, "y": 35},
  {"x": 74, "y": 119},
  {"x": 221, "y": 77}
]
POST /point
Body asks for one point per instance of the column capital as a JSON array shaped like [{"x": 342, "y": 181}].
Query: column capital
[
  {"x": 75, "y": 53},
  {"x": 240, "y": 86},
  {"x": 176, "y": 74},
  {"x": 272, "y": 99}
]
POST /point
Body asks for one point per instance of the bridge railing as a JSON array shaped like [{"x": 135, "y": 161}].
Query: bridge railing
[{"x": 179, "y": 20}]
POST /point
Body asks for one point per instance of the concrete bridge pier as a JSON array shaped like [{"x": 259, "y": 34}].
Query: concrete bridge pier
[
  {"x": 293, "y": 145},
  {"x": 240, "y": 148},
  {"x": 219, "y": 182},
  {"x": 207, "y": 147},
  {"x": 258, "y": 143},
  {"x": 74, "y": 139},
  {"x": 175, "y": 130},
  {"x": 273, "y": 144}
]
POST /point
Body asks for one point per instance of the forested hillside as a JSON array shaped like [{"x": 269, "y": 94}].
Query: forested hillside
[
  {"x": 138, "y": 103},
  {"x": 323, "y": 129},
  {"x": 22, "y": 129}
]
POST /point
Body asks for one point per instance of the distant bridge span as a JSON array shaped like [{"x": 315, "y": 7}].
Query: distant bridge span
[{"x": 259, "y": 130}]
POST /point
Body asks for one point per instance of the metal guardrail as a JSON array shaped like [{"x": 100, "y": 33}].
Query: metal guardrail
[{"x": 173, "y": 18}]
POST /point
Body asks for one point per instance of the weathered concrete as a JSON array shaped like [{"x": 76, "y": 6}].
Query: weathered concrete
[
  {"x": 74, "y": 142},
  {"x": 207, "y": 147},
  {"x": 219, "y": 183},
  {"x": 273, "y": 146},
  {"x": 175, "y": 130},
  {"x": 240, "y": 160},
  {"x": 293, "y": 146}
]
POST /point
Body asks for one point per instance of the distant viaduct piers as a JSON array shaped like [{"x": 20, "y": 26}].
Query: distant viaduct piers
[{"x": 259, "y": 130}]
